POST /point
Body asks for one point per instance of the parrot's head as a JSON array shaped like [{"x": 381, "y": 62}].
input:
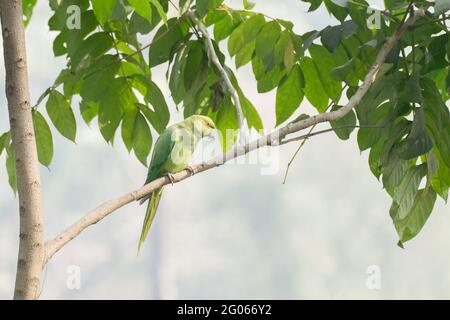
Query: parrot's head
[{"x": 203, "y": 126}]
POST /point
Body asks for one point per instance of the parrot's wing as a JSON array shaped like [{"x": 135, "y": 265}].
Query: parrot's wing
[{"x": 161, "y": 153}]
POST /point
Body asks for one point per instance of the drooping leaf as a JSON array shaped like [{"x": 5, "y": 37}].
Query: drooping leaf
[
  {"x": 103, "y": 9},
  {"x": 413, "y": 222},
  {"x": 314, "y": 90},
  {"x": 289, "y": 95},
  {"x": 11, "y": 168},
  {"x": 405, "y": 192},
  {"x": 166, "y": 38},
  {"x": 143, "y": 8},
  {"x": 61, "y": 114},
  {"x": 44, "y": 140},
  {"x": 204, "y": 5}
]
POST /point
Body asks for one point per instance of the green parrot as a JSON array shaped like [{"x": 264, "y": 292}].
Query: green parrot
[{"x": 172, "y": 153}]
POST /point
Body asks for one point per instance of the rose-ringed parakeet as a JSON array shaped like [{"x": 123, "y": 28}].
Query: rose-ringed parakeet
[{"x": 172, "y": 153}]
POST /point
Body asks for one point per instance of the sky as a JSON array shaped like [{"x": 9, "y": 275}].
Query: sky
[{"x": 231, "y": 232}]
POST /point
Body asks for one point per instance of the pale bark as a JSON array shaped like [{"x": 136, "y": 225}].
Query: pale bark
[
  {"x": 31, "y": 248},
  {"x": 275, "y": 138}
]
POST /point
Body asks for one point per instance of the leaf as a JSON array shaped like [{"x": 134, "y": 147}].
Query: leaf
[
  {"x": 331, "y": 37},
  {"x": 324, "y": 63},
  {"x": 196, "y": 60},
  {"x": 103, "y": 9},
  {"x": 89, "y": 110},
  {"x": 142, "y": 139},
  {"x": 265, "y": 43},
  {"x": 349, "y": 121},
  {"x": 224, "y": 27},
  {"x": 408, "y": 227},
  {"x": 226, "y": 121},
  {"x": 160, "y": 9},
  {"x": 44, "y": 140},
  {"x": 204, "y": 6},
  {"x": 11, "y": 168},
  {"x": 248, "y": 5},
  {"x": 245, "y": 55},
  {"x": 405, "y": 192},
  {"x": 160, "y": 115},
  {"x": 61, "y": 114},
  {"x": 143, "y": 8},
  {"x": 245, "y": 33},
  {"x": 27, "y": 9},
  {"x": 4, "y": 141},
  {"x": 118, "y": 100},
  {"x": 168, "y": 36},
  {"x": 418, "y": 141},
  {"x": 289, "y": 95},
  {"x": 437, "y": 118},
  {"x": 314, "y": 90}
]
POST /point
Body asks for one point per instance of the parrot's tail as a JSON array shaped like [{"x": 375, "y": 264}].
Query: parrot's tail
[{"x": 150, "y": 214}]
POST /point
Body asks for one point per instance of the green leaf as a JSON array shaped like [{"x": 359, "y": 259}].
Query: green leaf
[
  {"x": 227, "y": 123},
  {"x": 348, "y": 121},
  {"x": 94, "y": 46},
  {"x": 176, "y": 81},
  {"x": 245, "y": 55},
  {"x": 103, "y": 9},
  {"x": 128, "y": 124},
  {"x": 160, "y": 9},
  {"x": 27, "y": 9},
  {"x": 196, "y": 61},
  {"x": 61, "y": 114},
  {"x": 11, "y": 168},
  {"x": 331, "y": 37},
  {"x": 142, "y": 139},
  {"x": 437, "y": 118},
  {"x": 418, "y": 141},
  {"x": 289, "y": 95},
  {"x": 143, "y": 8},
  {"x": 224, "y": 27},
  {"x": 405, "y": 192},
  {"x": 168, "y": 37},
  {"x": 314, "y": 90},
  {"x": 158, "y": 117},
  {"x": 265, "y": 43},
  {"x": 4, "y": 141},
  {"x": 204, "y": 6},
  {"x": 118, "y": 99},
  {"x": 325, "y": 63},
  {"x": 248, "y": 5},
  {"x": 245, "y": 33},
  {"x": 89, "y": 110},
  {"x": 44, "y": 140},
  {"x": 413, "y": 222}
]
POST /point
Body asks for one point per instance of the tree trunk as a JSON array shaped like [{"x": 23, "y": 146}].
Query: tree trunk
[{"x": 31, "y": 248}]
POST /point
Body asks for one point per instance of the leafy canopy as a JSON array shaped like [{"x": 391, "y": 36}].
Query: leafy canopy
[{"x": 404, "y": 120}]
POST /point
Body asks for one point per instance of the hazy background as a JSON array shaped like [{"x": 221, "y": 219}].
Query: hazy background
[{"x": 227, "y": 233}]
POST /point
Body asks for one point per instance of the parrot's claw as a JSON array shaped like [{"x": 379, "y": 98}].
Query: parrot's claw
[
  {"x": 191, "y": 170},
  {"x": 171, "y": 178}
]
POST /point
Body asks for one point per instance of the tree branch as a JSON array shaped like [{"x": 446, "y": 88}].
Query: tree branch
[
  {"x": 271, "y": 139},
  {"x": 223, "y": 73}
]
